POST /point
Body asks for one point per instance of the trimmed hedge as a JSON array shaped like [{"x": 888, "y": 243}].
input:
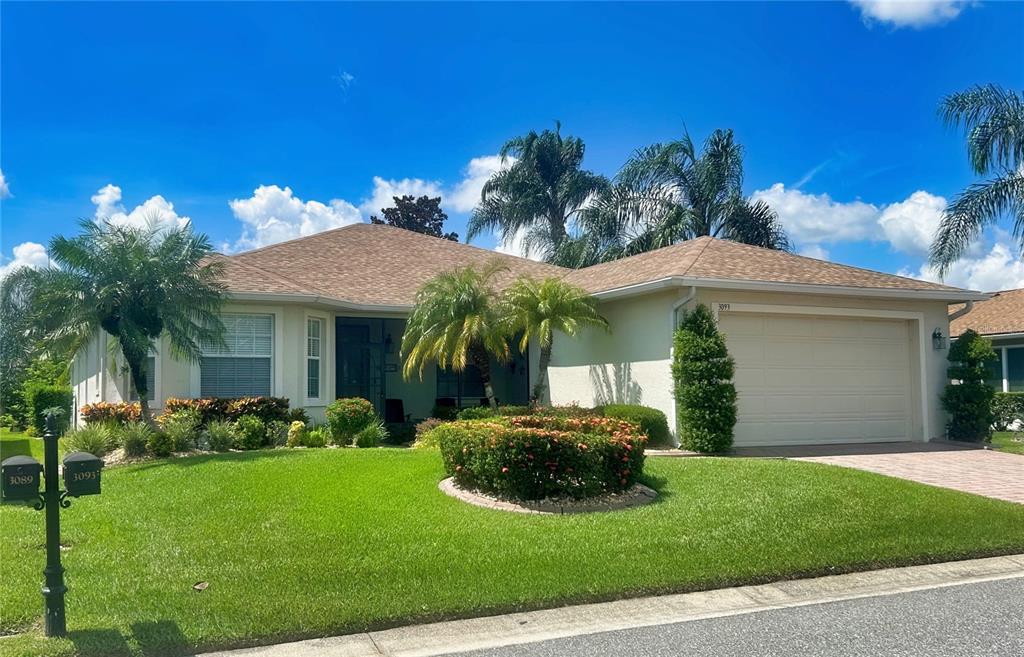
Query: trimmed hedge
[
  {"x": 705, "y": 395},
  {"x": 968, "y": 399},
  {"x": 268, "y": 409},
  {"x": 348, "y": 416},
  {"x": 533, "y": 457},
  {"x": 650, "y": 420},
  {"x": 122, "y": 413},
  {"x": 42, "y": 396},
  {"x": 1008, "y": 409}
]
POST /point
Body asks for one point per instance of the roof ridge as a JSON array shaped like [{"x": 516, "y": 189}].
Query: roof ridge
[
  {"x": 708, "y": 242},
  {"x": 296, "y": 239}
]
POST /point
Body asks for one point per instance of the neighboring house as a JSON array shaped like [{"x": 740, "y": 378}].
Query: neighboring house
[
  {"x": 824, "y": 352},
  {"x": 1001, "y": 320}
]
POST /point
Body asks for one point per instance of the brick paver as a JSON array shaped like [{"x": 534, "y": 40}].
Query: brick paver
[{"x": 979, "y": 471}]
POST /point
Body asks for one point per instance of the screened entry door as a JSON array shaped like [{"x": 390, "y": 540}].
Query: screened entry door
[{"x": 360, "y": 365}]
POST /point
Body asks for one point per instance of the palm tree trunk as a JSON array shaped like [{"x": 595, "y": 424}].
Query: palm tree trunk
[
  {"x": 542, "y": 374},
  {"x": 479, "y": 357},
  {"x": 136, "y": 369}
]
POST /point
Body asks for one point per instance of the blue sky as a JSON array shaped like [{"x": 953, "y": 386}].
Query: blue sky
[{"x": 265, "y": 122}]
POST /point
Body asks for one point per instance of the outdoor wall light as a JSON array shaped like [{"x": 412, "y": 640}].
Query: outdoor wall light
[
  {"x": 389, "y": 345},
  {"x": 938, "y": 340}
]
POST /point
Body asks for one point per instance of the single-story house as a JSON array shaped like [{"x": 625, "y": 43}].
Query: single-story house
[
  {"x": 1001, "y": 320},
  {"x": 824, "y": 353}
]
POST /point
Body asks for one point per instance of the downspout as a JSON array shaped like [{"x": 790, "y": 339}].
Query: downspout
[
  {"x": 675, "y": 323},
  {"x": 679, "y": 304},
  {"x": 963, "y": 311}
]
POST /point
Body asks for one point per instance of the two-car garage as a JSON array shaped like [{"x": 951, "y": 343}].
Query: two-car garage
[{"x": 803, "y": 378}]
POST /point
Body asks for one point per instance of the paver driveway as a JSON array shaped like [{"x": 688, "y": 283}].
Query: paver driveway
[{"x": 979, "y": 471}]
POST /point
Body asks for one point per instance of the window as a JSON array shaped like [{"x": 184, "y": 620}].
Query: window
[
  {"x": 314, "y": 327},
  {"x": 465, "y": 387},
  {"x": 994, "y": 375},
  {"x": 150, "y": 382},
  {"x": 1014, "y": 369},
  {"x": 243, "y": 365}
]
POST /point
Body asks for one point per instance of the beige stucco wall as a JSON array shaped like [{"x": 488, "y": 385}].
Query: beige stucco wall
[
  {"x": 93, "y": 381},
  {"x": 632, "y": 363},
  {"x": 629, "y": 364}
]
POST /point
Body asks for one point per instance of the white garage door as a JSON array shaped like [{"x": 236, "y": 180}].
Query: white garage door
[{"x": 807, "y": 379}]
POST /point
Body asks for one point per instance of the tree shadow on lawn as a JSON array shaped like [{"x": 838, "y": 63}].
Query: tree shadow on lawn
[
  {"x": 21, "y": 447},
  {"x": 659, "y": 484},
  {"x": 161, "y": 638},
  {"x": 199, "y": 459}
]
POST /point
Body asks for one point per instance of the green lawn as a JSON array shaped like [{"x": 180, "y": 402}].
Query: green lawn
[
  {"x": 1004, "y": 441},
  {"x": 15, "y": 444},
  {"x": 302, "y": 543}
]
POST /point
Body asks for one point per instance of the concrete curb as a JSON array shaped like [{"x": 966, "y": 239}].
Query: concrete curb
[{"x": 528, "y": 627}]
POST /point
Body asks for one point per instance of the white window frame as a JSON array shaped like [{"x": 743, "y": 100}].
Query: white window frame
[
  {"x": 275, "y": 349},
  {"x": 317, "y": 400},
  {"x": 1004, "y": 355}
]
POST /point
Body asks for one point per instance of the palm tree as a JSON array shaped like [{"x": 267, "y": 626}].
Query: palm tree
[
  {"x": 135, "y": 284},
  {"x": 993, "y": 118},
  {"x": 456, "y": 322},
  {"x": 538, "y": 309},
  {"x": 539, "y": 193},
  {"x": 669, "y": 192}
]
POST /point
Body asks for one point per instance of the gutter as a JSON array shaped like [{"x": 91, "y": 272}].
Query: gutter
[
  {"x": 680, "y": 304},
  {"x": 951, "y": 296}
]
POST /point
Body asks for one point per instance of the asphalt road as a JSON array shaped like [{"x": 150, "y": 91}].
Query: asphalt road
[{"x": 970, "y": 620}]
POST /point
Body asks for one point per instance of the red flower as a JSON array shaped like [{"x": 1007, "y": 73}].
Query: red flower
[{"x": 504, "y": 469}]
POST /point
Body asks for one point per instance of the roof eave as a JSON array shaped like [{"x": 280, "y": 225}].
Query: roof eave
[
  {"x": 319, "y": 300},
  {"x": 801, "y": 288}
]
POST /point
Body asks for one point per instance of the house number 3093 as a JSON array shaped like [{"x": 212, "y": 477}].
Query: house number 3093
[{"x": 723, "y": 306}]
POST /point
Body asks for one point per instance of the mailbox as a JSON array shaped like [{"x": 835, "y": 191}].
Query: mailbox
[
  {"x": 21, "y": 478},
  {"x": 82, "y": 474}
]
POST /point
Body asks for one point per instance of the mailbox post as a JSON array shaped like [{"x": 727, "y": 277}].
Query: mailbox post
[{"x": 21, "y": 476}]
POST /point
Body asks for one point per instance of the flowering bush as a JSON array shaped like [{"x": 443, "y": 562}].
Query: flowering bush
[
  {"x": 533, "y": 457},
  {"x": 296, "y": 434},
  {"x": 104, "y": 412},
  {"x": 347, "y": 417}
]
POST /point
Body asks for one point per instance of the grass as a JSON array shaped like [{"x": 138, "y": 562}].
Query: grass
[
  {"x": 13, "y": 443},
  {"x": 1008, "y": 441},
  {"x": 303, "y": 543}
]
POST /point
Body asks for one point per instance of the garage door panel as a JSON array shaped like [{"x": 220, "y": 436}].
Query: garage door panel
[{"x": 804, "y": 379}]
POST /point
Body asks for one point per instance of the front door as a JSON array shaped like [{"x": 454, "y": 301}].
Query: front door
[{"x": 360, "y": 365}]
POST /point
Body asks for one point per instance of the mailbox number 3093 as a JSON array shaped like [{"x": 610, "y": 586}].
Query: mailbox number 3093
[{"x": 82, "y": 476}]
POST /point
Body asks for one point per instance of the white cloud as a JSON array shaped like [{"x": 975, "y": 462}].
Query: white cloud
[
  {"x": 910, "y": 225},
  {"x": 384, "y": 192},
  {"x": 5, "y": 191},
  {"x": 998, "y": 269},
  {"x": 273, "y": 215},
  {"x": 515, "y": 247},
  {"x": 155, "y": 209},
  {"x": 814, "y": 251},
  {"x": 909, "y": 13},
  {"x": 816, "y": 218},
  {"x": 26, "y": 254},
  {"x": 466, "y": 194},
  {"x": 344, "y": 79}
]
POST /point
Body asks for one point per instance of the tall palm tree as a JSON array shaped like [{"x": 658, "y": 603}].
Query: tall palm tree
[
  {"x": 993, "y": 118},
  {"x": 455, "y": 322},
  {"x": 539, "y": 308},
  {"x": 135, "y": 284},
  {"x": 538, "y": 193},
  {"x": 669, "y": 192}
]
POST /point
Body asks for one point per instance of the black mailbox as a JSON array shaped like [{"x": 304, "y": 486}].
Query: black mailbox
[
  {"x": 82, "y": 474},
  {"x": 21, "y": 478}
]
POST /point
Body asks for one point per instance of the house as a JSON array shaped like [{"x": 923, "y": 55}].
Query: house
[
  {"x": 1001, "y": 320},
  {"x": 824, "y": 353}
]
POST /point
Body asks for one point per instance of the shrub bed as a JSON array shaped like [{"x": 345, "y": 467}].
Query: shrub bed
[
  {"x": 103, "y": 412},
  {"x": 353, "y": 418},
  {"x": 1007, "y": 409},
  {"x": 535, "y": 457},
  {"x": 650, "y": 420}
]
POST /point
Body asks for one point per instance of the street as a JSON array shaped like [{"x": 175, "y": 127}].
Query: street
[{"x": 971, "y": 620}]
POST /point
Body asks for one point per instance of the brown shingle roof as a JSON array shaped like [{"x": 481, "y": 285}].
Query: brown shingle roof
[
  {"x": 371, "y": 264},
  {"x": 710, "y": 258},
  {"x": 1003, "y": 313},
  {"x": 378, "y": 265}
]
